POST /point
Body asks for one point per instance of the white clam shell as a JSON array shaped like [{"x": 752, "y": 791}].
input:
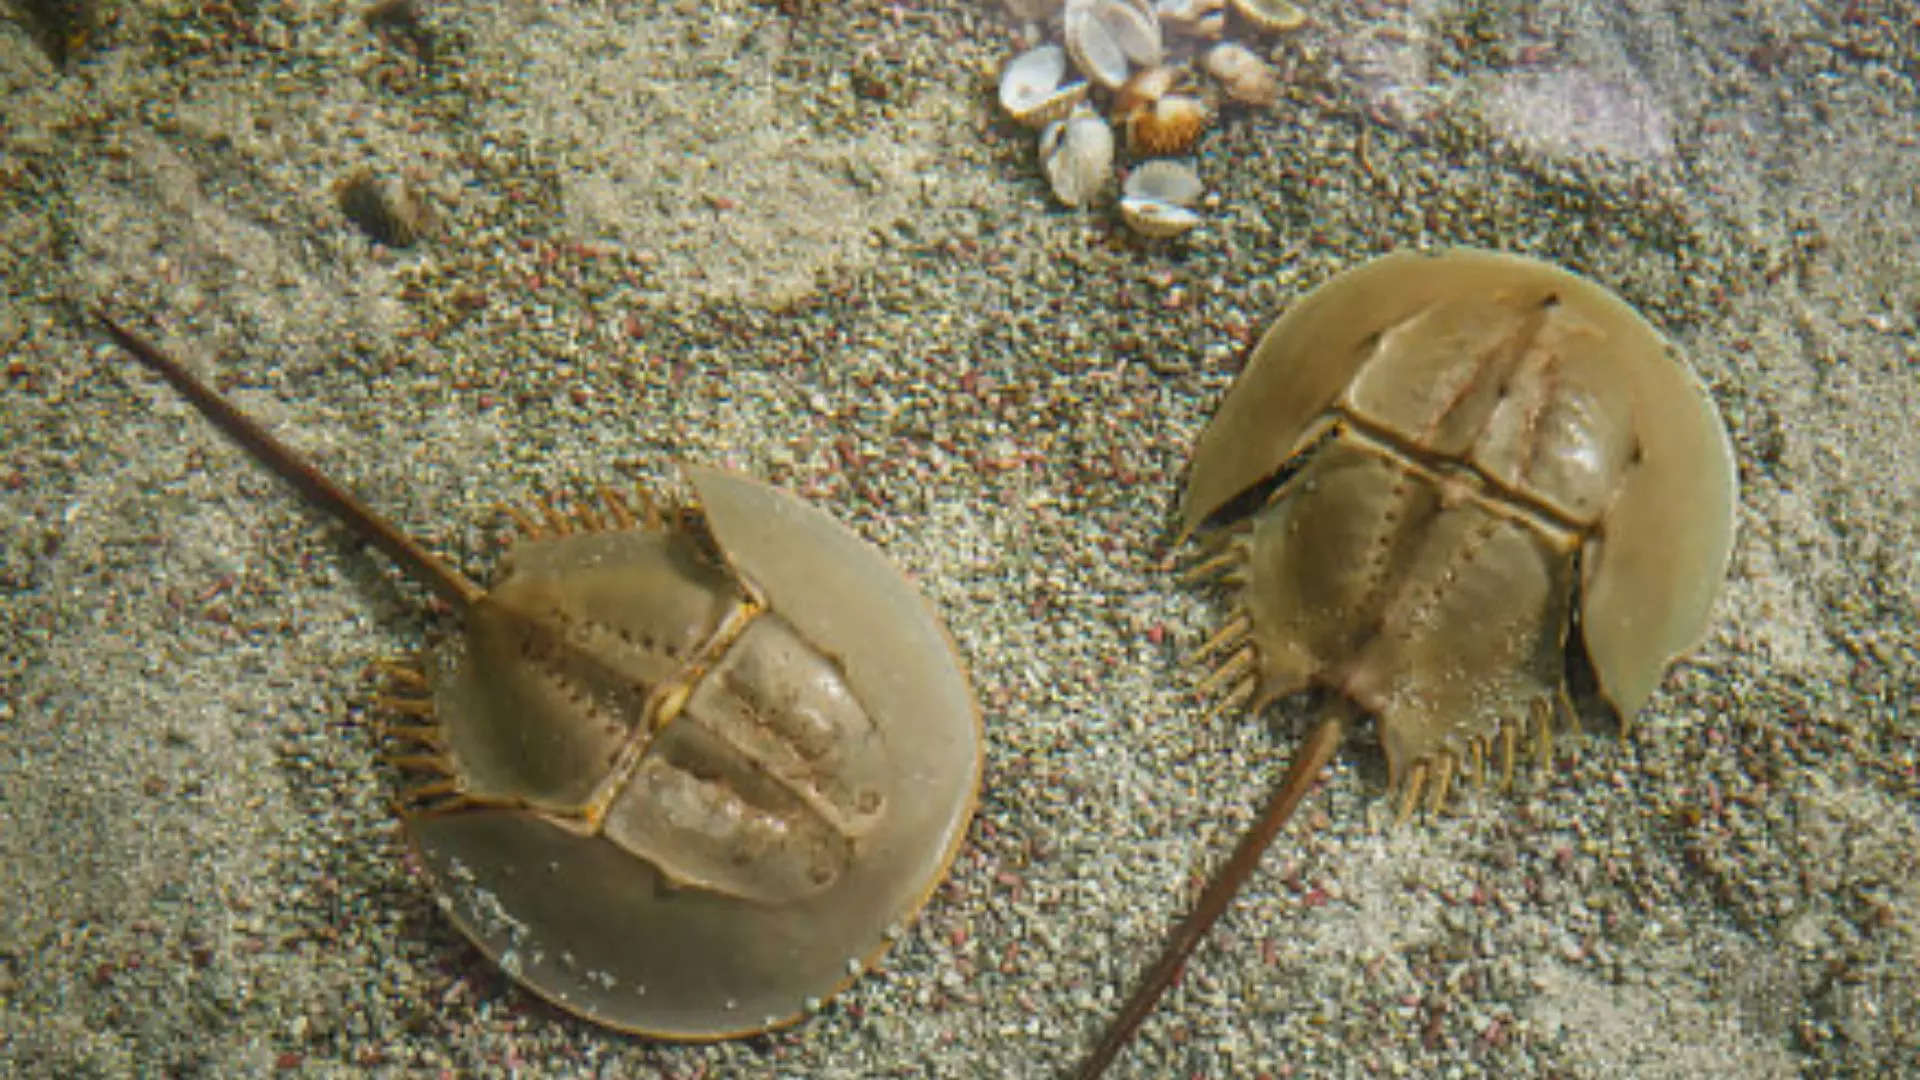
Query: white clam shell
[
  {"x": 1106, "y": 38},
  {"x": 1031, "y": 90},
  {"x": 1165, "y": 180},
  {"x": 1155, "y": 219},
  {"x": 1156, "y": 198},
  {"x": 1077, "y": 156}
]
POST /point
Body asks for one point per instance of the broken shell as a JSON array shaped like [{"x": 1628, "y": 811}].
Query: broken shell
[
  {"x": 1245, "y": 76},
  {"x": 1030, "y": 89},
  {"x": 1077, "y": 156},
  {"x": 1169, "y": 126},
  {"x": 1155, "y": 200},
  {"x": 1107, "y": 38},
  {"x": 1271, "y": 16}
]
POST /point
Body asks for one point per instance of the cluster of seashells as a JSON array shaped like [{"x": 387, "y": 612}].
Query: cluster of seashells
[{"x": 1141, "y": 56}]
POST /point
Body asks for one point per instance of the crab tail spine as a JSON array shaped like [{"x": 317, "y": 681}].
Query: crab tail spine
[
  {"x": 449, "y": 584},
  {"x": 1312, "y": 756}
]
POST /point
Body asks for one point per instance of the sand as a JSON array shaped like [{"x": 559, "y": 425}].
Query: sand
[{"x": 802, "y": 243}]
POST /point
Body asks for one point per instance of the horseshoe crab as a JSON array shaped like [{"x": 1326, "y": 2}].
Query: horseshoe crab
[
  {"x": 1429, "y": 464},
  {"x": 686, "y": 779}
]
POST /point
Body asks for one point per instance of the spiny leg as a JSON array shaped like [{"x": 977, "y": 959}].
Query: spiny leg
[
  {"x": 588, "y": 516},
  {"x": 427, "y": 735},
  {"x": 1231, "y": 670},
  {"x": 1236, "y": 630},
  {"x": 1543, "y": 714},
  {"x": 1410, "y": 794},
  {"x": 407, "y": 692},
  {"x": 440, "y": 787},
  {"x": 649, "y": 510},
  {"x": 433, "y": 797},
  {"x": 1240, "y": 695},
  {"x": 527, "y": 526},
  {"x": 420, "y": 763},
  {"x": 421, "y": 707},
  {"x": 1509, "y": 746},
  {"x": 403, "y": 674},
  {"x": 1442, "y": 781},
  {"x": 557, "y": 522},
  {"x": 1222, "y": 565},
  {"x": 424, "y": 749},
  {"x": 617, "y": 507}
]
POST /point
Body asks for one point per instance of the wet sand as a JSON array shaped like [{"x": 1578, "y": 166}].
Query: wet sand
[{"x": 804, "y": 244}]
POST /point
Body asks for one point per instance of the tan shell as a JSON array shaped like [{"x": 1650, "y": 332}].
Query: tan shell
[
  {"x": 686, "y": 780},
  {"x": 1245, "y": 76},
  {"x": 1170, "y": 125},
  {"x": 1271, "y": 16},
  {"x": 1472, "y": 443},
  {"x": 777, "y": 747}
]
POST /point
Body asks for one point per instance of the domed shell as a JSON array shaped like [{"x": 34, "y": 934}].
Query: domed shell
[
  {"x": 686, "y": 777},
  {"x": 1606, "y": 430},
  {"x": 771, "y": 760}
]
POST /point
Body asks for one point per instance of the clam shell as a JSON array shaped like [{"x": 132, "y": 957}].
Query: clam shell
[
  {"x": 1164, "y": 180},
  {"x": 1155, "y": 219},
  {"x": 1169, "y": 126},
  {"x": 1145, "y": 87},
  {"x": 1106, "y": 38},
  {"x": 1245, "y": 76},
  {"x": 1031, "y": 90},
  {"x": 1271, "y": 15},
  {"x": 1155, "y": 199},
  {"x": 1192, "y": 18},
  {"x": 1077, "y": 156}
]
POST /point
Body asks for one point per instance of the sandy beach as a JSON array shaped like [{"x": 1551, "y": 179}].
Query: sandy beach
[{"x": 799, "y": 239}]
